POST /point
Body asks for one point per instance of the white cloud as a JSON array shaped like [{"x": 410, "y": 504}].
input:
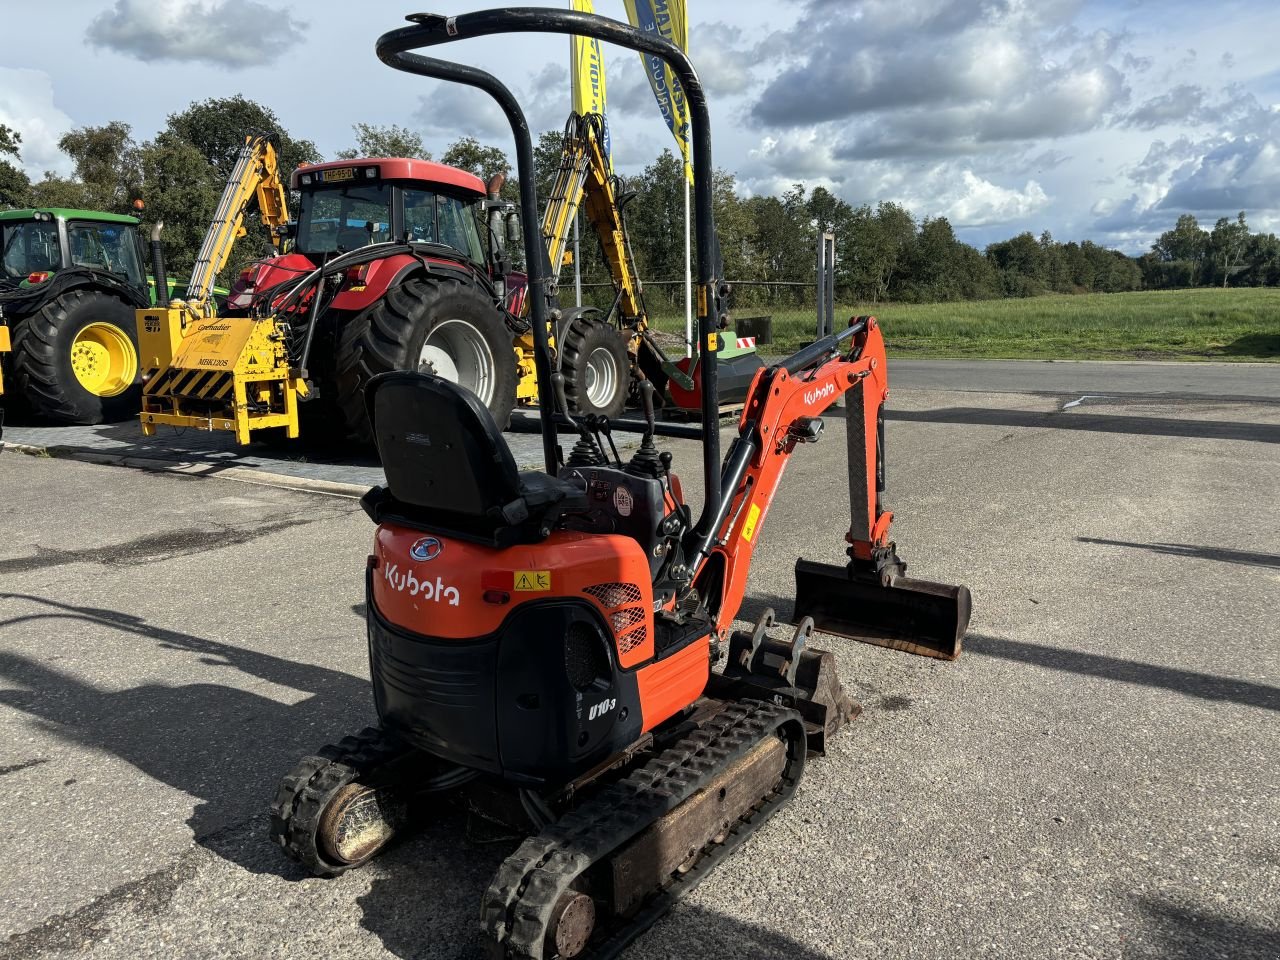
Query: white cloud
[
  {"x": 234, "y": 34},
  {"x": 27, "y": 105},
  {"x": 975, "y": 202}
]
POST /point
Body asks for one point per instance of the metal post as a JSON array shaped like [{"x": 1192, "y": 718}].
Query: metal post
[
  {"x": 826, "y": 284},
  {"x": 829, "y": 241}
]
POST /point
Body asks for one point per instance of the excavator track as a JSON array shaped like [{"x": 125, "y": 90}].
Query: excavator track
[
  {"x": 541, "y": 886},
  {"x": 303, "y": 818}
]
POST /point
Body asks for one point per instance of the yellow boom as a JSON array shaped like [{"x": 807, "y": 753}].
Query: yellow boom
[
  {"x": 255, "y": 175},
  {"x": 223, "y": 373}
]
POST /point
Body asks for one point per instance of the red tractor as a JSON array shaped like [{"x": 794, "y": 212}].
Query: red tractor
[{"x": 430, "y": 296}]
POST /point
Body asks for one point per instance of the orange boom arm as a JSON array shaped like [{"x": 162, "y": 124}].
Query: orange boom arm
[{"x": 783, "y": 409}]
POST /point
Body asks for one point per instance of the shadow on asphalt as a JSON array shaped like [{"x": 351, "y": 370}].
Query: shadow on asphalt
[
  {"x": 226, "y": 746},
  {"x": 1245, "y": 557},
  {"x": 1176, "y": 932},
  {"x": 229, "y": 748},
  {"x": 1095, "y": 422},
  {"x": 1206, "y": 686},
  {"x": 444, "y": 924}
]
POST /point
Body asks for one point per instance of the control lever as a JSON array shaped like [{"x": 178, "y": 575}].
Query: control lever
[
  {"x": 646, "y": 461},
  {"x": 646, "y": 400},
  {"x": 586, "y": 452}
]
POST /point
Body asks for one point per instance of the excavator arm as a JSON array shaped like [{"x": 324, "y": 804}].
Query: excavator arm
[
  {"x": 584, "y": 180},
  {"x": 256, "y": 175},
  {"x": 870, "y": 599}
]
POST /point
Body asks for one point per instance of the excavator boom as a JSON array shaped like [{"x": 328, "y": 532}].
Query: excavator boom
[
  {"x": 584, "y": 180},
  {"x": 255, "y": 175}
]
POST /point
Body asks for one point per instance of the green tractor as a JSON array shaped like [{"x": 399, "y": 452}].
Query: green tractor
[{"x": 69, "y": 285}]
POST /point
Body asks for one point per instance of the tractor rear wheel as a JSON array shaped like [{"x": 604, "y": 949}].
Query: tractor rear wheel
[
  {"x": 596, "y": 367},
  {"x": 438, "y": 326},
  {"x": 75, "y": 360}
]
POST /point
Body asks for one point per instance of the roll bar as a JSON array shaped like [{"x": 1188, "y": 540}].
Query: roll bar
[{"x": 430, "y": 30}]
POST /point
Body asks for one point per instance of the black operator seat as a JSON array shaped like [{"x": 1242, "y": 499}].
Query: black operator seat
[{"x": 450, "y": 471}]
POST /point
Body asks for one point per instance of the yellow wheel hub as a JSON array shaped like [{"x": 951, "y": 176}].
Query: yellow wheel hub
[{"x": 104, "y": 359}]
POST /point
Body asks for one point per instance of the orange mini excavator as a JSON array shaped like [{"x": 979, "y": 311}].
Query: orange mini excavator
[{"x": 542, "y": 644}]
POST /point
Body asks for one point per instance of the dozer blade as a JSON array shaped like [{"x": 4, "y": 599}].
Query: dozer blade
[{"x": 916, "y": 616}]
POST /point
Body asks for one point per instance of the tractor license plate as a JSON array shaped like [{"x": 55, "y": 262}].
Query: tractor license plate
[{"x": 333, "y": 176}]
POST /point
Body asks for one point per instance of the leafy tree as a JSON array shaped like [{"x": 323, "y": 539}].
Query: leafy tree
[
  {"x": 1020, "y": 261},
  {"x": 182, "y": 190},
  {"x": 373, "y": 140},
  {"x": 1227, "y": 245},
  {"x": 880, "y": 248},
  {"x": 14, "y": 183},
  {"x": 1261, "y": 261},
  {"x": 1188, "y": 244},
  {"x": 469, "y": 154},
  {"x": 217, "y": 127}
]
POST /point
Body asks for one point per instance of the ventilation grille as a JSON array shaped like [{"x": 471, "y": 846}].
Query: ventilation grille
[
  {"x": 627, "y": 618},
  {"x": 614, "y": 594},
  {"x": 632, "y": 640}
]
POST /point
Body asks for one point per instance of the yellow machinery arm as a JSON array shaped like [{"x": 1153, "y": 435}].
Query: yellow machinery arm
[
  {"x": 584, "y": 177},
  {"x": 223, "y": 373},
  {"x": 256, "y": 174}
]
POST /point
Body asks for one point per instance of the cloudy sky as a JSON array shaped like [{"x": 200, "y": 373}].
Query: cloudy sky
[{"x": 1098, "y": 119}]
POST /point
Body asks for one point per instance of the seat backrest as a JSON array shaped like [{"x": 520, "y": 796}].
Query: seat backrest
[{"x": 441, "y": 450}]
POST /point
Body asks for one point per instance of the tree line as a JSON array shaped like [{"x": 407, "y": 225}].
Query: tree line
[{"x": 768, "y": 243}]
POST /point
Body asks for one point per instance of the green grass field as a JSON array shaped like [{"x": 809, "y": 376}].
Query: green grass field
[{"x": 1204, "y": 324}]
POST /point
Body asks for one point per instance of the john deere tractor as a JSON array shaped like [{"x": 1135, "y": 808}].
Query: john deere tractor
[{"x": 69, "y": 285}]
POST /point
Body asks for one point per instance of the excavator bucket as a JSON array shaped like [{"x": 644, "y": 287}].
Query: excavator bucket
[{"x": 916, "y": 616}]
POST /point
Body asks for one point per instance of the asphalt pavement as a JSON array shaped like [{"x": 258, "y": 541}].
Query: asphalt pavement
[
  {"x": 1248, "y": 381},
  {"x": 1098, "y": 776}
]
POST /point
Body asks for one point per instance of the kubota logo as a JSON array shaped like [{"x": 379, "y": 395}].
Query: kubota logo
[
  {"x": 426, "y": 548},
  {"x": 820, "y": 394},
  {"x": 408, "y": 583}
]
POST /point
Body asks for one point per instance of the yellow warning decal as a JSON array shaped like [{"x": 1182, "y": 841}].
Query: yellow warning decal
[
  {"x": 533, "y": 581},
  {"x": 749, "y": 528}
]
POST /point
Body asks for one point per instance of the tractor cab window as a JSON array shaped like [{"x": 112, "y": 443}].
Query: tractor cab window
[
  {"x": 336, "y": 219},
  {"x": 457, "y": 225},
  {"x": 109, "y": 247},
  {"x": 29, "y": 246},
  {"x": 420, "y": 216}
]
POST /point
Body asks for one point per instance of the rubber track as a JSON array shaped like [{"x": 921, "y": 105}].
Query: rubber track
[
  {"x": 305, "y": 791},
  {"x": 517, "y": 907}
]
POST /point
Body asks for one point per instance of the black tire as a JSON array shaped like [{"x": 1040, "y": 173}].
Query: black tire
[
  {"x": 392, "y": 333},
  {"x": 42, "y": 359},
  {"x": 595, "y": 364}
]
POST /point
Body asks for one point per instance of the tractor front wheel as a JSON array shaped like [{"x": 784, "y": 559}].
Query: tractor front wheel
[
  {"x": 438, "y": 326},
  {"x": 596, "y": 367},
  {"x": 75, "y": 360}
]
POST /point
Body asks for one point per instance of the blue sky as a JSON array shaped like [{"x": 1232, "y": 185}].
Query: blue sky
[{"x": 1094, "y": 120}]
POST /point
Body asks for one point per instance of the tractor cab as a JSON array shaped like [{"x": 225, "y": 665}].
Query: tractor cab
[
  {"x": 37, "y": 244},
  {"x": 351, "y": 204}
]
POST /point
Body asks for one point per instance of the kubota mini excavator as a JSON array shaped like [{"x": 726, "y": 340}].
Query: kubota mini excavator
[{"x": 541, "y": 644}]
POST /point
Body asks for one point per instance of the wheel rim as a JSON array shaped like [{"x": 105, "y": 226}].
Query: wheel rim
[
  {"x": 602, "y": 377},
  {"x": 456, "y": 351},
  {"x": 104, "y": 360}
]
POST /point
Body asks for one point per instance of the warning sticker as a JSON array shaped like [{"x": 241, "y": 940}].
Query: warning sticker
[
  {"x": 749, "y": 528},
  {"x": 533, "y": 581}
]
